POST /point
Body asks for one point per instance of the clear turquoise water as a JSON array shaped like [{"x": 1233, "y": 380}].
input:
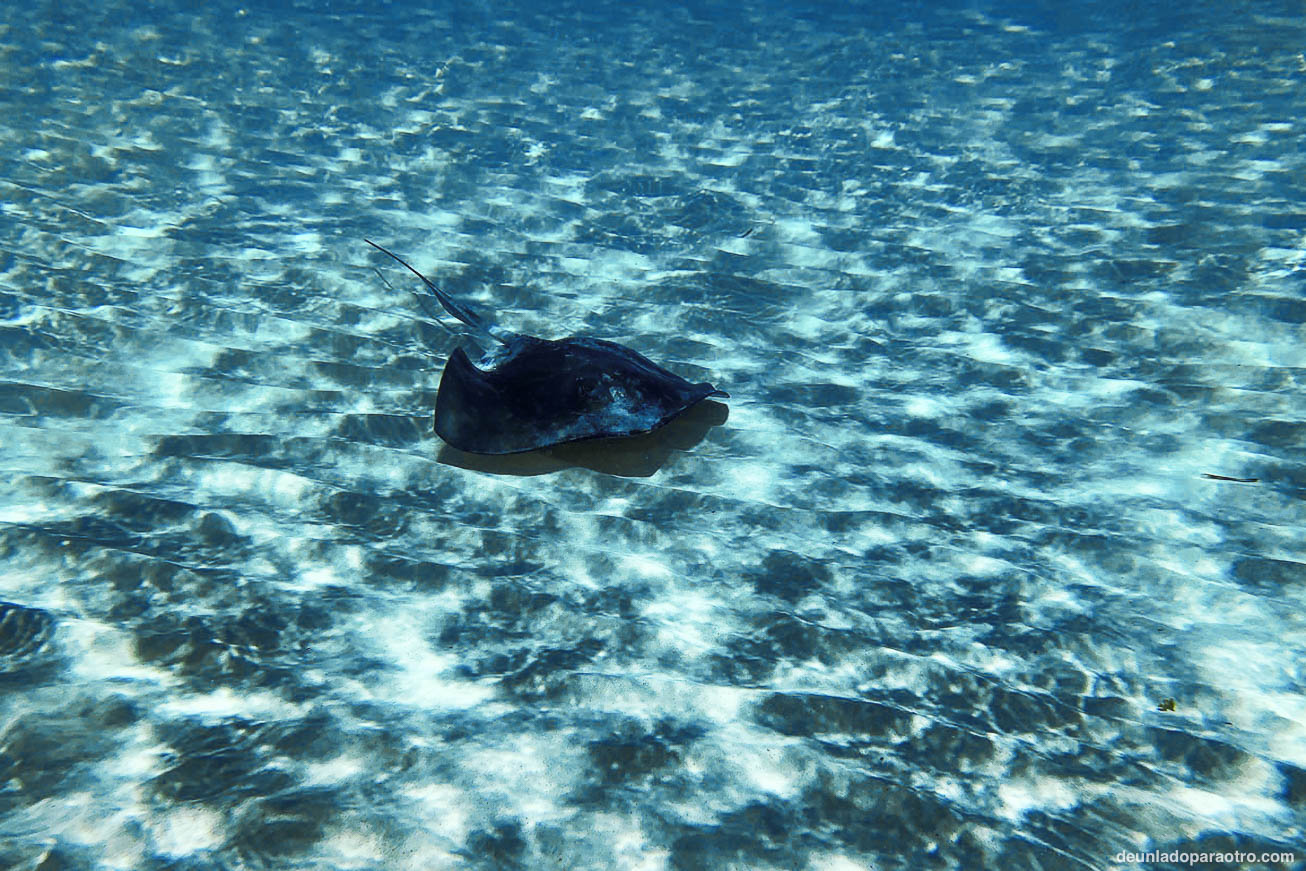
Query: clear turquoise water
[{"x": 992, "y": 289}]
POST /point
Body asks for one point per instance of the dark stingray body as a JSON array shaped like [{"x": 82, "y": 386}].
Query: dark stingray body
[
  {"x": 540, "y": 393},
  {"x": 536, "y": 393}
]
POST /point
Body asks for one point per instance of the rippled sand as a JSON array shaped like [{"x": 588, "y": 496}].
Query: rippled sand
[{"x": 945, "y": 588}]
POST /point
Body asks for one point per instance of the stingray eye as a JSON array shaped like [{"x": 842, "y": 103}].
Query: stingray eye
[{"x": 585, "y": 389}]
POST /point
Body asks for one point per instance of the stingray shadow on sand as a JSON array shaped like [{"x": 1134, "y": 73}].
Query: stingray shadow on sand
[{"x": 637, "y": 456}]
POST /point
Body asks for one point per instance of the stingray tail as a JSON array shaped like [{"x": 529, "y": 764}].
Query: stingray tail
[{"x": 452, "y": 306}]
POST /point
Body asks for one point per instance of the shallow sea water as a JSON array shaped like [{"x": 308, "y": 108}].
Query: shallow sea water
[{"x": 991, "y": 288}]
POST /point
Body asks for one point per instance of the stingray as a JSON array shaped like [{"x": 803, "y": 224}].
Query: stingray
[{"x": 528, "y": 393}]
